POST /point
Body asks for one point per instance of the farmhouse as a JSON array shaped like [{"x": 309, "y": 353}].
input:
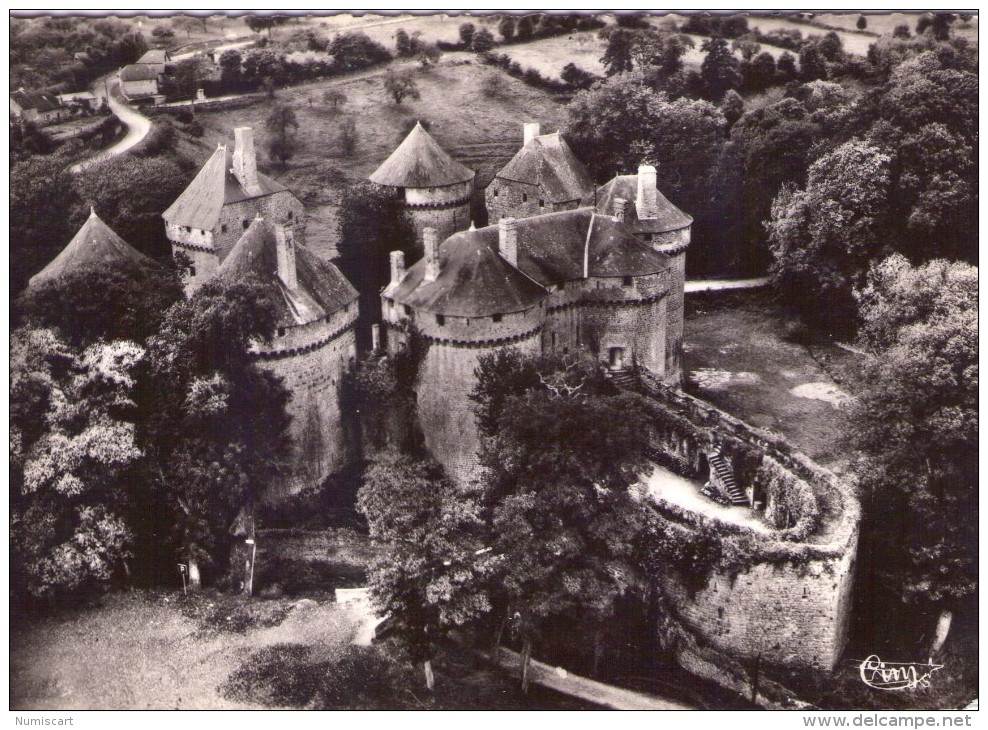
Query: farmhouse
[
  {"x": 220, "y": 203},
  {"x": 38, "y": 107}
]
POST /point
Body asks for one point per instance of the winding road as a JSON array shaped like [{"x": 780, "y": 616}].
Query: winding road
[{"x": 137, "y": 124}]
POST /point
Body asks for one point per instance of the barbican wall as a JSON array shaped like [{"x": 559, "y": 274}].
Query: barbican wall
[
  {"x": 312, "y": 359},
  {"x": 783, "y": 594}
]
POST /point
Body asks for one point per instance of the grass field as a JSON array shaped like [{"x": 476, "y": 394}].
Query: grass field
[
  {"x": 737, "y": 357},
  {"x": 480, "y": 131}
]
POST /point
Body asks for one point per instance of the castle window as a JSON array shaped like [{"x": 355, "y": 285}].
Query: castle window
[
  {"x": 496, "y": 317},
  {"x": 440, "y": 320},
  {"x": 281, "y": 332},
  {"x": 553, "y": 340},
  {"x": 192, "y": 270},
  {"x": 408, "y": 310},
  {"x": 524, "y": 197},
  {"x": 290, "y": 215},
  {"x": 495, "y": 192},
  {"x": 541, "y": 203},
  {"x": 246, "y": 224},
  {"x": 223, "y": 228},
  {"x": 626, "y": 281}
]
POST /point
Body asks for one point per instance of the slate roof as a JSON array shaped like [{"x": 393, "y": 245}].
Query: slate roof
[
  {"x": 474, "y": 280},
  {"x": 94, "y": 245},
  {"x": 419, "y": 162},
  {"x": 41, "y": 101},
  {"x": 139, "y": 72},
  {"x": 548, "y": 162},
  {"x": 322, "y": 290},
  {"x": 668, "y": 218},
  {"x": 214, "y": 186}
]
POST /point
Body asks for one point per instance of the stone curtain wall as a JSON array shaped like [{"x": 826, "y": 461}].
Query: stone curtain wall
[
  {"x": 784, "y": 595},
  {"x": 674, "y": 245},
  {"x": 312, "y": 360}
]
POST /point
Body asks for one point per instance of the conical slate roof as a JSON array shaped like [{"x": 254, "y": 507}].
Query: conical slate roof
[
  {"x": 321, "y": 290},
  {"x": 94, "y": 245},
  {"x": 549, "y": 163},
  {"x": 214, "y": 186},
  {"x": 419, "y": 162}
]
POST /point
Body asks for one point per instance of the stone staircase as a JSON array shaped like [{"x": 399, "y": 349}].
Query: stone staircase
[
  {"x": 624, "y": 379},
  {"x": 725, "y": 476}
]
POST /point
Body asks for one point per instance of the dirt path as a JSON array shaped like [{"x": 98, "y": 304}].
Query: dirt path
[
  {"x": 137, "y": 125},
  {"x": 702, "y": 285}
]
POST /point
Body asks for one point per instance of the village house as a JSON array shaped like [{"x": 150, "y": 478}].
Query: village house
[
  {"x": 37, "y": 107},
  {"x": 220, "y": 203}
]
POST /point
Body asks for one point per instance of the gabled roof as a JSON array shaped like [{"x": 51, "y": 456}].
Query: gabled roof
[
  {"x": 321, "y": 291},
  {"x": 419, "y": 162},
  {"x": 548, "y": 162},
  {"x": 140, "y": 72},
  {"x": 474, "y": 280},
  {"x": 668, "y": 218},
  {"x": 94, "y": 245},
  {"x": 155, "y": 55},
  {"x": 40, "y": 101},
  {"x": 214, "y": 186}
]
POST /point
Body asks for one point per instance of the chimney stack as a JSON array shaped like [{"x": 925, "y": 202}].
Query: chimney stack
[
  {"x": 286, "y": 256},
  {"x": 430, "y": 239},
  {"x": 620, "y": 206},
  {"x": 646, "y": 203},
  {"x": 375, "y": 338},
  {"x": 245, "y": 160},
  {"x": 507, "y": 240},
  {"x": 397, "y": 266},
  {"x": 532, "y": 130}
]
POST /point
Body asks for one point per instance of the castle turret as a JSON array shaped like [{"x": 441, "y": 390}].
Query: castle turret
[{"x": 437, "y": 189}]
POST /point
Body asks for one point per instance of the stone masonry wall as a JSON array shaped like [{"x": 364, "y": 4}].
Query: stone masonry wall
[
  {"x": 312, "y": 359},
  {"x": 673, "y": 244},
  {"x": 509, "y": 198},
  {"x": 447, "y": 209}
]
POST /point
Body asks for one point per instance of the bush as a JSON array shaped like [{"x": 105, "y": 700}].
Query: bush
[
  {"x": 493, "y": 84},
  {"x": 349, "y": 137}
]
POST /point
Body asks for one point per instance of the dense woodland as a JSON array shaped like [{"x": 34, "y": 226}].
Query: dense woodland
[{"x": 852, "y": 180}]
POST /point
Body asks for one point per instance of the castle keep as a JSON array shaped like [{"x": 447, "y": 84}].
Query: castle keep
[
  {"x": 436, "y": 188},
  {"x": 228, "y": 192}
]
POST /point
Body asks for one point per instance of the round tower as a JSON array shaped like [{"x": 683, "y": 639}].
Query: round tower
[
  {"x": 466, "y": 298},
  {"x": 436, "y": 188}
]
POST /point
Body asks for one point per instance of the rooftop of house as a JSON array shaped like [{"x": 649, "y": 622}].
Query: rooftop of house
[
  {"x": 419, "y": 162},
  {"x": 548, "y": 162},
  {"x": 320, "y": 290},
  {"x": 155, "y": 55},
  {"x": 40, "y": 101},
  {"x": 475, "y": 280},
  {"x": 667, "y": 216},
  {"x": 140, "y": 72},
  {"x": 94, "y": 245},
  {"x": 214, "y": 186}
]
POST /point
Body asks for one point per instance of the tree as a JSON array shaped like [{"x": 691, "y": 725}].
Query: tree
[
  {"x": 349, "y": 136},
  {"x": 373, "y": 221},
  {"x": 902, "y": 31},
  {"x": 493, "y": 84},
  {"x": 71, "y": 444},
  {"x": 213, "y": 424},
  {"x": 466, "y": 35},
  {"x": 748, "y": 48},
  {"x": 102, "y": 303},
  {"x": 760, "y": 73},
  {"x": 428, "y": 576},
  {"x": 786, "y": 66},
  {"x": 862, "y": 22},
  {"x": 823, "y": 238},
  {"x": 719, "y": 71},
  {"x": 916, "y": 426},
  {"x": 526, "y": 28},
  {"x": 558, "y": 466},
  {"x": 334, "y": 97},
  {"x": 733, "y": 107},
  {"x": 812, "y": 64},
  {"x": 163, "y": 35},
  {"x": 577, "y": 77},
  {"x": 617, "y": 56},
  {"x": 483, "y": 41},
  {"x": 403, "y": 43},
  {"x": 282, "y": 126},
  {"x": 399, "y": 85},
  {"x": 258, "y": 23},
  {"x": 355, "y": 51},
  {"x": 231, "y": 70},
  {"x": 506, "y": 27},
  {"x": 428, "y": 55}
]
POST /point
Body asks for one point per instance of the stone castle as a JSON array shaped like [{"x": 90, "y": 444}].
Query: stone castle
[{"x": 564, "y": 267}]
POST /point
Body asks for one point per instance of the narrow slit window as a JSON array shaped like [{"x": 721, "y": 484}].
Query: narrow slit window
[
  {"x": 627, "y": 281},
  {"x": 440, "y": 320},
  {"x": 496, "y": 317}
]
